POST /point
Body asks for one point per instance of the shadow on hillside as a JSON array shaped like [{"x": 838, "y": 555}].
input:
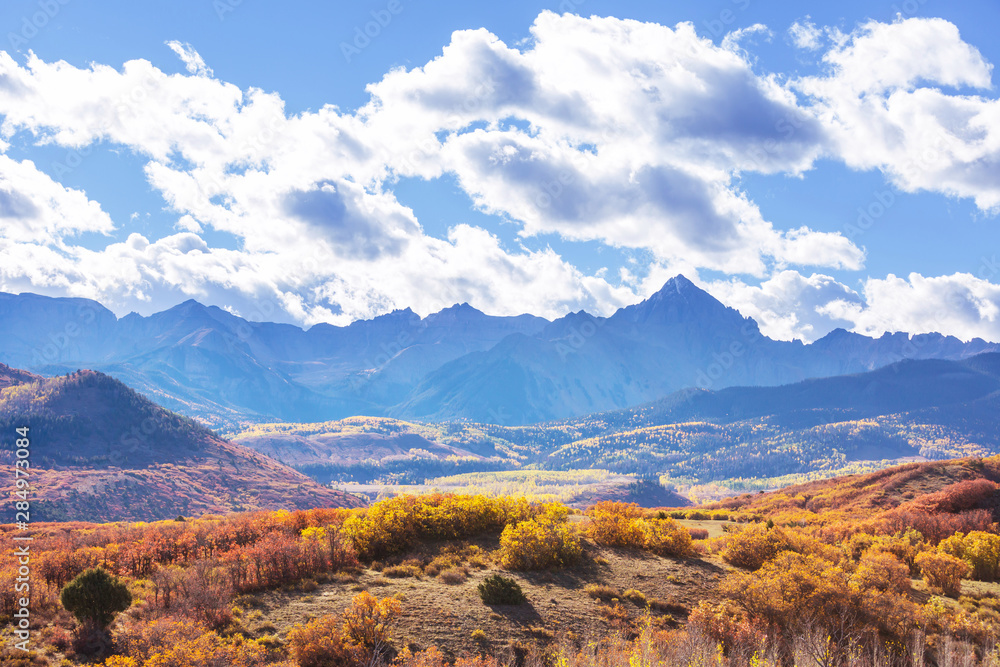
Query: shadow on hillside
[
  {"x": 589, "y": 571},
  {"x": 522, "y": 614}
]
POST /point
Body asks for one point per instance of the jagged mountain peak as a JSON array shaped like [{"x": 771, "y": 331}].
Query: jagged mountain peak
[
  {"x": 679, "y": 300},
  {"x": 458, "y": 311}
]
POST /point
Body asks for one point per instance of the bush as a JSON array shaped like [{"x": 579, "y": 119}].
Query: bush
[
  {"x": 210, "y": 650},
  {"x": 321, "y": 643},
  {"x": 753, "y": 546},
  {"x": 698, "y": 533},
  {"x": 943, "y": 573},
  {"x": 95, "y": 596},
  {"x": 622, "y": 525},
  {"x": 455, "y": 575},
  {"x": 396, "y": 524},
  {"x": 400, "y": 571},
  {"x": 881, "y": 571},
  {"x": 981, "y": 550},
  {"x": 602, "y": 592},
  {"x": 614, "y": 524},
  {"x": 368, "y": 621},
  {"x": 142, "y": 639},
  {"x": 665, "y": 537},
  {"x": 636, "y": 597},
  {"x": 539, "y": 544},
  {"x": 497, "y": 589}
]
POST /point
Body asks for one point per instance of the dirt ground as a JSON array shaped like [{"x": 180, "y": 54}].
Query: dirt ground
[{"x": 443, "y": 615}]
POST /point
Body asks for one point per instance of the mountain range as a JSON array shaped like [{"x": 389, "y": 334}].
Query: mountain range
[
  {"x": 456, "y": 364},
  {"x": 739, "y": 437}
]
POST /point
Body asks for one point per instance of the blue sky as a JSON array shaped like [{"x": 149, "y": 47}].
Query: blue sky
[{"x": 341, "y": 209}]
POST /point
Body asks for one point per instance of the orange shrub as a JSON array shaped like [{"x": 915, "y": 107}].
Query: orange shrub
[
  {"x": 120, "y": 661},
  {"x": 957, "y": 497},
  {"x": 981, "y": 550},
  {"x": 397, "y": 524},
  {"x": 905, "y": 546},
  {"x": 934, "y": 526},
  {"x": 210, "y": 650},
  {"x": 698, "y": 533},
  {"x": 321, "y": 643},
  {"x": 539, "y": 544},
  {"x": 753, "y": 546},
  {"x": 796, "y": 594},
  {"x": 881, "y": 571},
  {"x": 368, "y": 621},
  {"x": 622, "y": 525},
  {"x": 665, "y": 537},
  {"x": 614, "y": 524},
  {"x": 433, "y": 657},
  {"x": 943, "y": 573},
  {"x": 141, "y": 639},
  {"x": 726, "y": 624}
]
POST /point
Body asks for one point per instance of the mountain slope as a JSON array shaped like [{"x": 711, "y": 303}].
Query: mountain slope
[
  {"x": 905, "y": 386},
  {"x": 734, "y": 438},
  {"x": 457, "y": 364},
  {"x": 680, "y": 337},
  {"x": 915, "y": 486},
  {"x": 102, "y": 452},
  {"x": 210, "y": 364},
  {"x": 10, "y": 377}
]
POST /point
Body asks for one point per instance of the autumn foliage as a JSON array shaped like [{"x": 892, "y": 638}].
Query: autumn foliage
[
  {"x": 397, "y": 524},
  {"x": 981, "y": 550},
  {"x": 538, "y": 544},
  {"x": 623, "y": 525},
  {"x": 359, "y": 636},
  {"x": 753, "y": 546},
  {"x": 808, "y": 589},
  {"x": 942, "y": 572}
]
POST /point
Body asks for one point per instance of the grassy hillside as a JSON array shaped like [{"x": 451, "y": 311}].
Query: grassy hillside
[
  {"x": 909, "y": 491},
  {"x": 100, "y": 451},
  {"x": 704, "y": 444},
  {"x": 14, "y": 376},
  {"x": 899, "y": 567}
]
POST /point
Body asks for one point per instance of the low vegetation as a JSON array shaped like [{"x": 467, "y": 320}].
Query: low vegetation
[{"x": 895, "y": 568}]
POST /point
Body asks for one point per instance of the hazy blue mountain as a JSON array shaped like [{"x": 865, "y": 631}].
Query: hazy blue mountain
[
  {"x": 908, "y": 386},
  {"x": 458, "y": 363},
  {"x": 206, "y": 362},
  {"x": 678, "y": 338}
]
